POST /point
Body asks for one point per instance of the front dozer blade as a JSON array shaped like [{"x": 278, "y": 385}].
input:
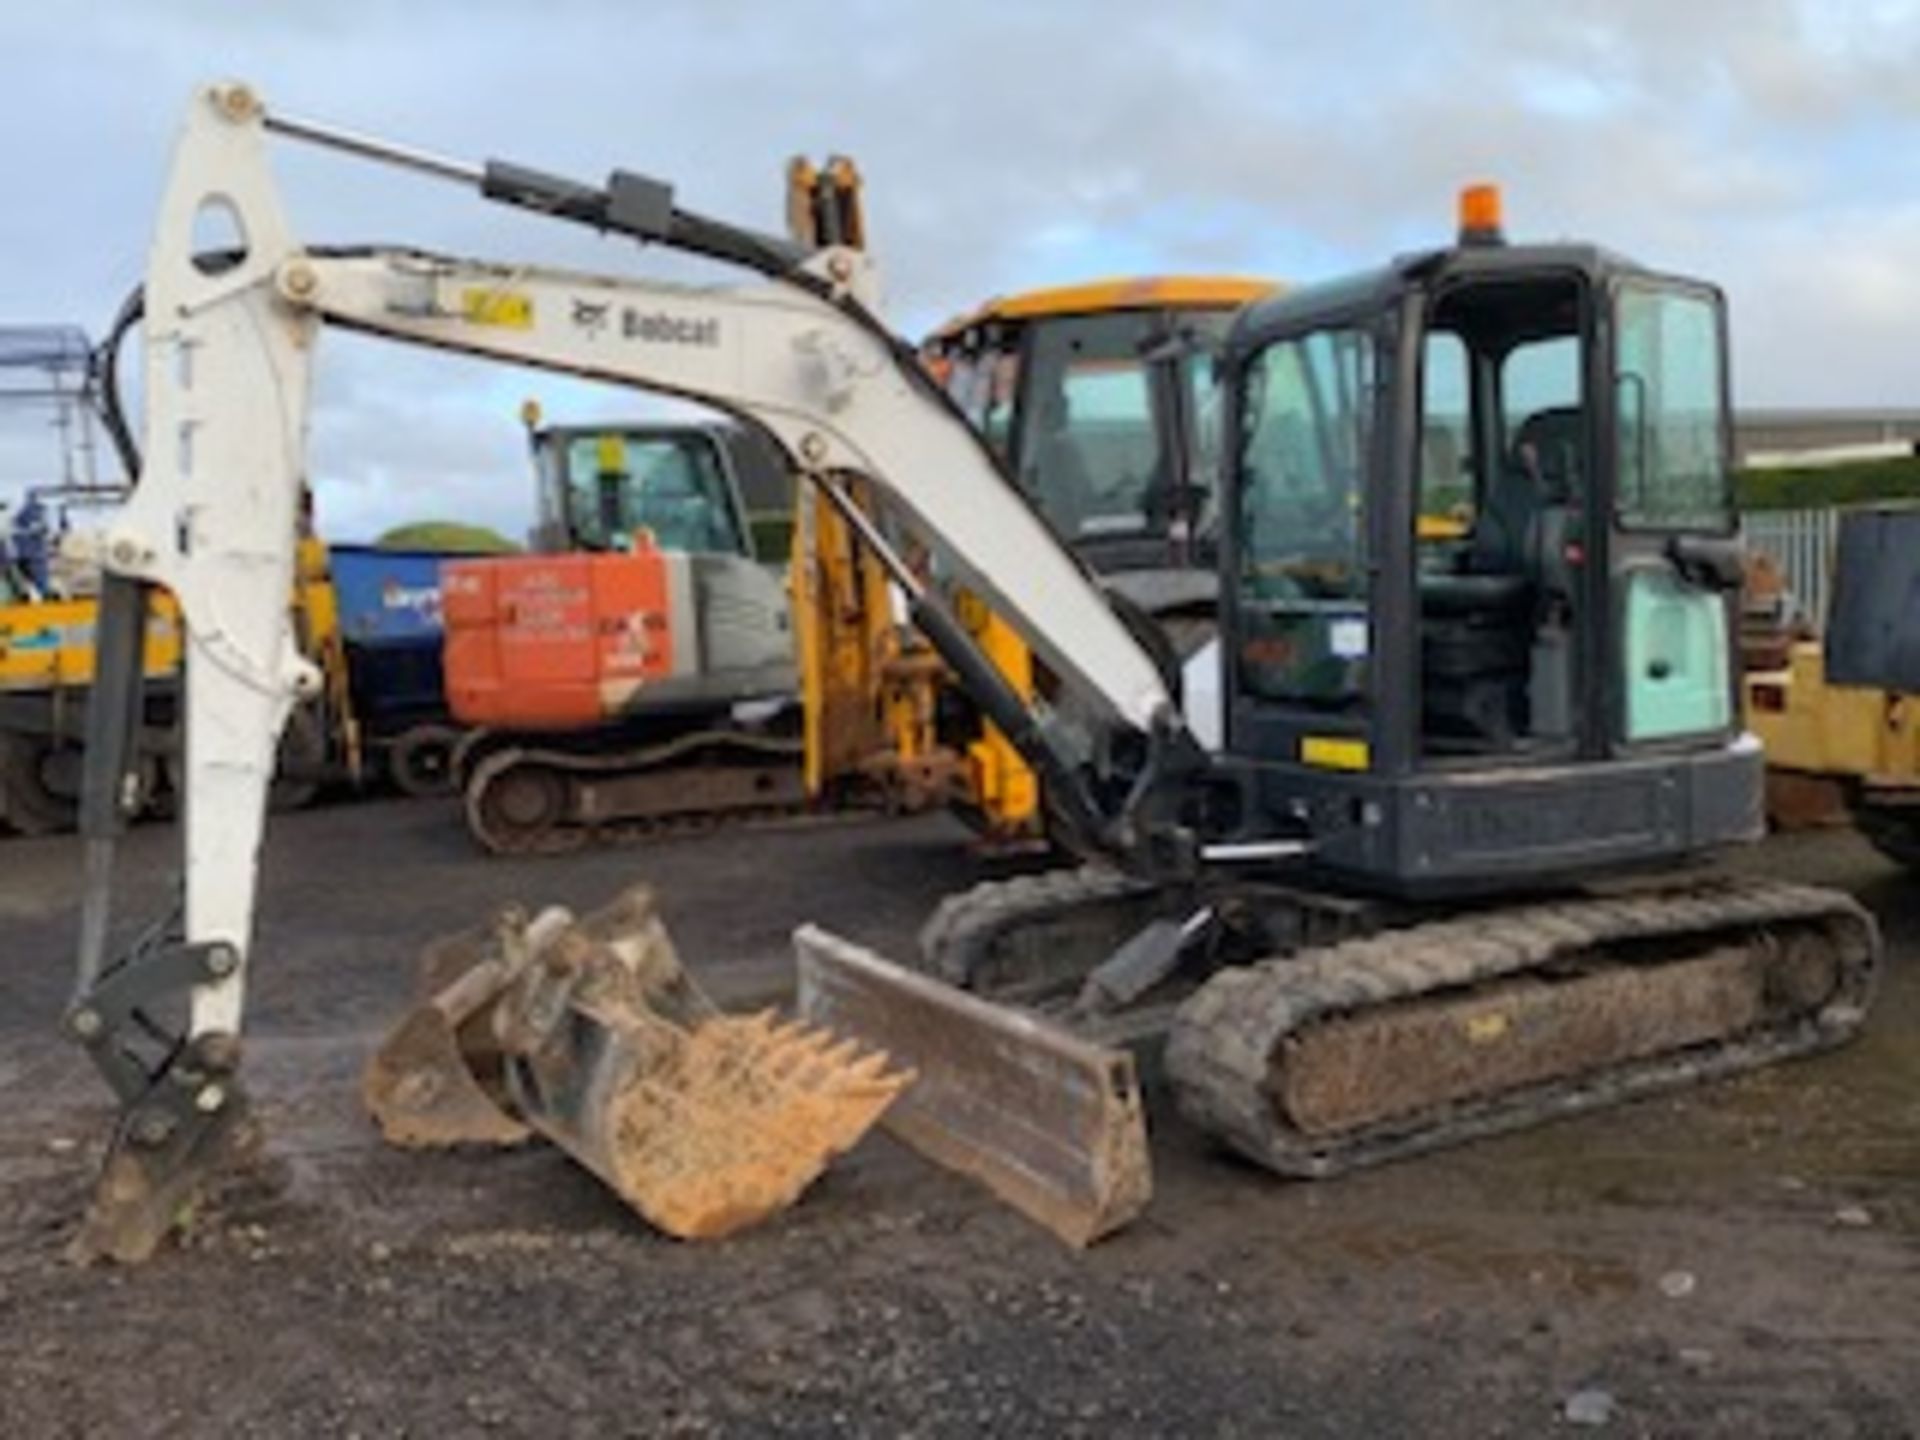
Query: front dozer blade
[
  {"x": 703, "y": 1122},
  {"x": 436, "y": 1079},
  {"x": 1048, "y": 1121}
]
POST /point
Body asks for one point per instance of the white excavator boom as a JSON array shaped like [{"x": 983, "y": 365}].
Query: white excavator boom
[{"x": 231, "y": 339}]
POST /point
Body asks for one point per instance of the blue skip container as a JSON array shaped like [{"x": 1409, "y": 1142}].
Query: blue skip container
[{"x": 390, "y": 621}]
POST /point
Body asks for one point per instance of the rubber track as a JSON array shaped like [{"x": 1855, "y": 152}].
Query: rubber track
[
  {"x": 1223, "y": 1038},
  {"x": 959, "y": 936},
  {"x": 570, "y": 836}
]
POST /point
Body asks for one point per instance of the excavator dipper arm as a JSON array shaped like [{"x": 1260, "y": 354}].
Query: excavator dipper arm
[{"x": 230, "y": 342}]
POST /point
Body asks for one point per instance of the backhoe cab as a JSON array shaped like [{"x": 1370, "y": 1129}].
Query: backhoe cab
[
  {"x": 1479, "y": 568},
  {"x": 1098, "y": 400}
]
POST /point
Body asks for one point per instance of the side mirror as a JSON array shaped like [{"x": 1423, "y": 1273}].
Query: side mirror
[{"x": 1717, "y": 562}]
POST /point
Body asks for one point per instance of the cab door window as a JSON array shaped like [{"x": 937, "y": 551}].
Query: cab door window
[
  {"x": 1673, "y": 473},
  {"x": 1306, "y": 426},
  {"x": 1671, "y": 417}
]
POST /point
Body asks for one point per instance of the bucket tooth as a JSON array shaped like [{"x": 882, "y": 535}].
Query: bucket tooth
[{"x": 742, "y": 1140}]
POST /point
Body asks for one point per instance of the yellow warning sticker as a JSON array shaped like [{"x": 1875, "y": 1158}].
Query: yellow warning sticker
[
  {"x": 504, "y": 308},
  {"x": 1485, "y": 1029},
  {"x": 1333, "y": 752}
]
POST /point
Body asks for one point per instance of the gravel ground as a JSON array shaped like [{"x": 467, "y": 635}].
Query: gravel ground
[{"x": 1737, "y": 1261}]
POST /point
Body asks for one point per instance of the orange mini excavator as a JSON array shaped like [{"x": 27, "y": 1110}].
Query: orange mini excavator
[{"x": 637, "y": 670}]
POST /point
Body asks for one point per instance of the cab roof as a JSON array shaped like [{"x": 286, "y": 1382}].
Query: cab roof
[
  {"x": 1333, "y": 298},
  {"x": 1116, "y": 293}
]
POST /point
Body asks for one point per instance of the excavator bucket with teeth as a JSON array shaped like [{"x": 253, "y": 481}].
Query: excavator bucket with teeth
[
  {"x": 590, "y": 1033},
  {"x": 711, "y": 1130}
]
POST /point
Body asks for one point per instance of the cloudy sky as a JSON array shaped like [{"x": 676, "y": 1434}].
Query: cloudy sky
[{"x": 1766, "y": 143}]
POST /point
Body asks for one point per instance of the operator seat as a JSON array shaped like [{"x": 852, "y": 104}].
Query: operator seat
[
  {"x": 1504, "y": 524},
  {"x": 1479, "y": 627},
  {"x": 1557, "y": 439},
  {"x": 1542, "y": 474}
]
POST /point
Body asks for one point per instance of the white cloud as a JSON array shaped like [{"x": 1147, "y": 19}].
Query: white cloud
[{"x": 1760, "y": 142}]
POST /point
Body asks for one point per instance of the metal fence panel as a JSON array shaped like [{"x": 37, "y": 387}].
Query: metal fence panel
[{"x": 1800, "y": 542}]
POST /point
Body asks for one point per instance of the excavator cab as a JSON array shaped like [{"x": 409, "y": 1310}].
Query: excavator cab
[
  {"x": 1096, "y": 399},
  {"x": 681, "y": 485},
  {"x": 1481, "y": 568}
]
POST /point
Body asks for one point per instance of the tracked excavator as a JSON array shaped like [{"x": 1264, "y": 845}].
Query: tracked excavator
[
  {"x": 1387, "y": 914},
  {"x": 636, "y": 672},
  {"x": 637, "y": 675}
]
